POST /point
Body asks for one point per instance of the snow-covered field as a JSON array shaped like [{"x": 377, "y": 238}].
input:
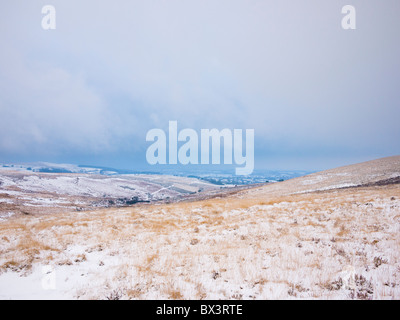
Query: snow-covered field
[
  {"x": 274, "y": 242},
  {"x": 335, "y": 245}
]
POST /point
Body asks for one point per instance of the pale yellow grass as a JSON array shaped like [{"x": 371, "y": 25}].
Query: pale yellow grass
[{"x": 293, "y": 246}]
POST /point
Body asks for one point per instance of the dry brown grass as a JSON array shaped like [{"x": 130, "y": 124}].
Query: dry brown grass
[{"x": 285, "y": 242}]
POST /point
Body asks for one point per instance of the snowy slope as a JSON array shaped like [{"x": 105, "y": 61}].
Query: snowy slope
[{"x": 24, "y": 191}]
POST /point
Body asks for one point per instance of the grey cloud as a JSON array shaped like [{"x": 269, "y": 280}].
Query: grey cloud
[{"x": 113, "y": 70}]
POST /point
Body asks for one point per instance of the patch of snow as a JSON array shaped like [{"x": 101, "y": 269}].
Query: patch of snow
[
  {"x": 5, "y": 216},
  {"x": 9, "y": 201},
  {"x": 338, "y": 186}
]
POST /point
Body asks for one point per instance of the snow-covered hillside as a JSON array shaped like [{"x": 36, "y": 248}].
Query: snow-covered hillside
[
  {"x": 28, "y": 192},
  {"x": 330, "y": 235}
]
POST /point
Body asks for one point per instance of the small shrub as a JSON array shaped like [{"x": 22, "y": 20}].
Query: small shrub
[
  {"x": 378, "y": 261},
  {"x": 364, "y": 289},
  {"x": 115, "y": 295},
  {"x": 216, "y": 275},
  {"x": 335, "y": 285}
]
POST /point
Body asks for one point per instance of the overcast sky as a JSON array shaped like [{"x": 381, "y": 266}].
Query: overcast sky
[{"x": 317, "y": 96}]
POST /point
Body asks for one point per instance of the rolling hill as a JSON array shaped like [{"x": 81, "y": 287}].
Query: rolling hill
[{"x": 329, "y": 235}]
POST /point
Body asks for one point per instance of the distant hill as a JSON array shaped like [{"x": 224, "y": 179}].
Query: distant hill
[{"x": 376, "y": 172}]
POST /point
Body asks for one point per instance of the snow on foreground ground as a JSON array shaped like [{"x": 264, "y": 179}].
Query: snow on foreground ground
[{"x": 335, "y": 244}]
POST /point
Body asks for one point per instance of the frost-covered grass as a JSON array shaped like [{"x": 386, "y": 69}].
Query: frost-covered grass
[{"x": 342, "y": 244}]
